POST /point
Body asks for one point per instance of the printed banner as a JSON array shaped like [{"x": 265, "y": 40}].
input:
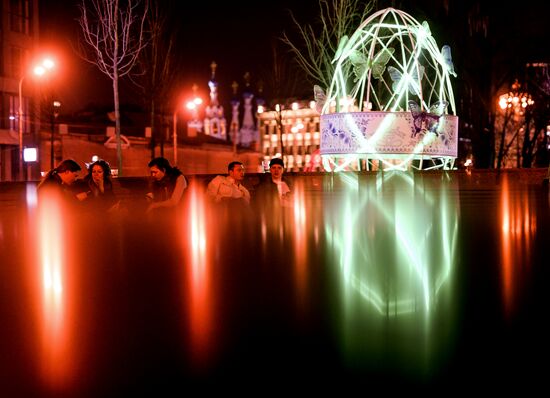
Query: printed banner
[{"x": 392, "y": 133}]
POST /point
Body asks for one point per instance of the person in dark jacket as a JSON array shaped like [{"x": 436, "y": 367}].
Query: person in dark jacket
[
  {"x": 60, "y": 180},
  {"x": 274, "y": 189},
  {"x": 96, "y": 189},
  {"x": 167, "y": 184}
]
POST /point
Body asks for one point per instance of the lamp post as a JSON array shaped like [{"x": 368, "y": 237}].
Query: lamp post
[
  {"x": 39, "y": 70},
  {"x": 192, "y": 105},
  {"x": 55, "y": 113},
  {"x": 20, "y": 121},
  {"x": 175, "y": 137}
]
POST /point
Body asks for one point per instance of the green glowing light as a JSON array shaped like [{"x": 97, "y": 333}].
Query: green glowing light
[
  {"x": 390, "y": 60},
  {"x": 396, "y": 241}
]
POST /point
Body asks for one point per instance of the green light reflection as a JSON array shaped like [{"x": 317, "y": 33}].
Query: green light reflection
[
  {"x": 395, "y": 224},
  {"x": 394, "y": 242}
]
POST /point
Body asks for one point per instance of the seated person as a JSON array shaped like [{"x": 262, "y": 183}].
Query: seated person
[
  {"x": 230, "y": 187},
  {"x": 167, "y": 184},
  {"x": 96, "y": 189},
  {"x": 60, "y": 180},
  {"x": 274, "y": 188}
]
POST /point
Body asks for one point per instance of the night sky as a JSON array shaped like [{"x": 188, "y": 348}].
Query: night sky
[{"x": 238, "y": 35}]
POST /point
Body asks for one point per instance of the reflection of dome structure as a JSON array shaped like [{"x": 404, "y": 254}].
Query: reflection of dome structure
[
  {"x": 389, "y": 98},
  {"x": 395, "y": 238}
]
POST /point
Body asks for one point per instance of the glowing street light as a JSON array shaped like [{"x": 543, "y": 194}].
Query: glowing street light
[
  {"x": 515, "y": 100},
  {"x": 38, "y": 70},
  {"x": 193, "y": 106}
]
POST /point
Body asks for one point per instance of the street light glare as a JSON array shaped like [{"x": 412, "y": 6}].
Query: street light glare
[
  {"x": 39, "y": 70},
  {"x": 48, "y": 63}
]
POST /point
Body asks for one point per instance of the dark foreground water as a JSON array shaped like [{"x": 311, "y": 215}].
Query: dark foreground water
[{"x": 394, "y": 282}]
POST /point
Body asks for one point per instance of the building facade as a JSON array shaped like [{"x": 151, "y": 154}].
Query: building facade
[
  {"x": 292, "y": 134},
  {"x": 19, "y": 105}
]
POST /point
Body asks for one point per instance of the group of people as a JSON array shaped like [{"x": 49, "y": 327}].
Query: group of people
[
  {"x": 95, "y": 189},
  {"x": 274, "y": 189},
  {"x": 166, "y": 186}
]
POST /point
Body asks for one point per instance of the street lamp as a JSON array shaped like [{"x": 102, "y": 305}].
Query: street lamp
[
  {"x": 38, "y": 70},
  {"x": 194, "y": 125},
  {"x": 514, "y": 105},
  {"x": 192, "y": 105},
  {"x": 55, "y": 113},
  {"x": 516, "y": 100}
]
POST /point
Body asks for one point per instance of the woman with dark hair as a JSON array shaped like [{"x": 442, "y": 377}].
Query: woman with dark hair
[
  {"x": 97, "y": 187},
  {"x": 61, "y": 179},
  {"x": 167, "y": 184}
]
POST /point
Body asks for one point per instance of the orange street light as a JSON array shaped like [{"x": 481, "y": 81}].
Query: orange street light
[
  {"x": 38, "y": 70},
  {"x": 194, "y": 125}
]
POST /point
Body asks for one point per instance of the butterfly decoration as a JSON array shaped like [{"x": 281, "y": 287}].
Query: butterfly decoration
[
  {"x": 413, "y": 79},
  {"x": 446, "y": 53},
  {"x": 341, "y": 45},
  {"x": 426, "y": 121},
  {"x": 377, "y": 65},
  {"x": 320, "y": 98},
  {"x": 424, "y": 30}
]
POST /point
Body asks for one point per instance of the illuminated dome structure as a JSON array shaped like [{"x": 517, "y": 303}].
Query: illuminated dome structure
[{"x": 390, "y": 104}]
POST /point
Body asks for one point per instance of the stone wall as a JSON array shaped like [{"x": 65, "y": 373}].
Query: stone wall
[{"x": 197, "y": 159}]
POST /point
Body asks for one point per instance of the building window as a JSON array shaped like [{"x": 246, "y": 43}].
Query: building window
[
  {"x": 20, "y": 15},
  {"x": 14, "y": 117},
  {"x": 16, "y": 60},
  {"x": 4, "y": 118}
]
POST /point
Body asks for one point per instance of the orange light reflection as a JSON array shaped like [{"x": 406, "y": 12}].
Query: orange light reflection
[
  {"x": 200, "y": 292},
  {"x": 300, "y": 241},
  {"x": 56, "y": 358},
  {"x": 518, "y": 228}
]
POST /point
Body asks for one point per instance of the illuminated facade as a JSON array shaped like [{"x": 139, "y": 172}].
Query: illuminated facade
[
  {"x": 214, "y": 120},
  {"x": 248, "y": 132},
  {"x": 292, "y": 134}
]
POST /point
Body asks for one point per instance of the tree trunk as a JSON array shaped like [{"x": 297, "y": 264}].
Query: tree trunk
[
  {"x": 115, "y": 92},
  {"x": 153, "y": 129}
]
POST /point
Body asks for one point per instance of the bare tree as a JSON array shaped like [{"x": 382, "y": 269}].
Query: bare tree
[
  {"x": 158, "y": 63},
  {"x": 319, "y": 43},
  {"x": 509, "y": 121},
  {"x": 283, "y": 85},
  {"x": 115, "y": 36}
]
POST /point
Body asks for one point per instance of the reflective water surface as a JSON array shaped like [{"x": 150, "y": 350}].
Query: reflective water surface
[{"x": 389, "y": 280}]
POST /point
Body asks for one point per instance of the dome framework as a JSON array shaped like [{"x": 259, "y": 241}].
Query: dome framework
[{"x": 390, "y": 104}]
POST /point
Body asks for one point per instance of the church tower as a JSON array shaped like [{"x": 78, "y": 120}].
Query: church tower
[
  {"x": 249, "y": 132},
  {"x": 214, "y": 120},
  {"x": 234, "y": 126}
]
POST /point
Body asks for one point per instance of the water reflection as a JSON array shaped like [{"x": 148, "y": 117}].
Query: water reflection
[
  {"x": 299, "y": 232},
  {"x": 53, "y": 242},
  {"x": 518, "y": 229},
  {"x": 393, "y": 238},
  {"x": 200, "y": 296},
  {"x": 364, "y": 275}
]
